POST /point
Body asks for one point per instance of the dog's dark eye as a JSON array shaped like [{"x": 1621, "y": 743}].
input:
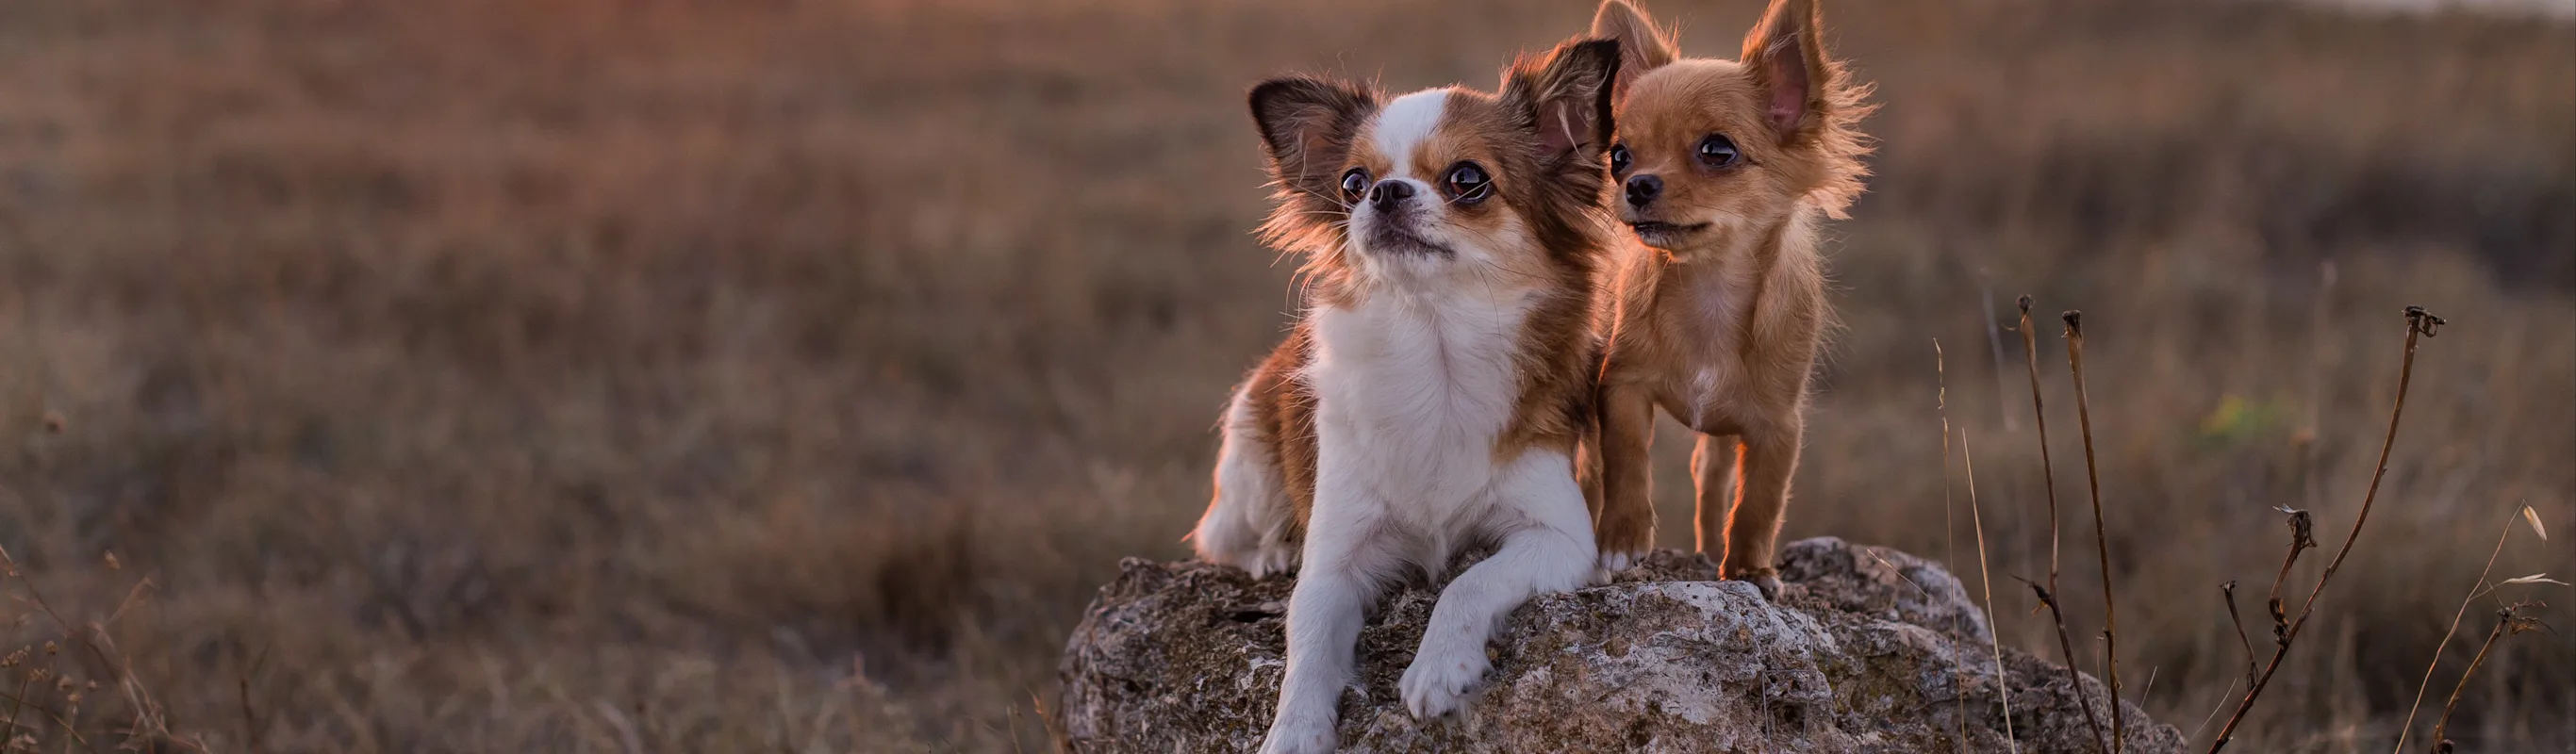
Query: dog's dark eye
[
  {"x": 1718, "y": 151},
  {"x": 1619, "y": 158},
  {"x": 1354, "y": 183},
  {"x": 1469, "y": 183}
]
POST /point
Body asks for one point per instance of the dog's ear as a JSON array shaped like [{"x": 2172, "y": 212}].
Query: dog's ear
[
  {"x": 1643, "y": 46},
  {"x": 1307, "y": 125},
  {"x": 1567, "y": 97},
  {"x": 1785, "y": 53}
]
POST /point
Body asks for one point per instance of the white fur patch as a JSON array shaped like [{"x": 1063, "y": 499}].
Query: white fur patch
[
  {"x": 1405, "y": 123},
  {"x": 1414, "y": 391},
  {"x": 1414, "y": 388},
  {"x": 1248, "y": 523},
  {"x": 1546, "y": 546}
]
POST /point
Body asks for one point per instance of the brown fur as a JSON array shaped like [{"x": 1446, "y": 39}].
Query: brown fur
[
  {"x": 1283, "y": 415},
  {"x": 1542, "y": 139},
  {"x": 1719, "y": 321}
]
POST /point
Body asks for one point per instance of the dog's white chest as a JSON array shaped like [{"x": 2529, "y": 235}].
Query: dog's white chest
[{"x": 1413, "y": 397}]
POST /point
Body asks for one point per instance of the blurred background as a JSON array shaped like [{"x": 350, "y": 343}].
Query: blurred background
[{"x": 720, "y": 375}]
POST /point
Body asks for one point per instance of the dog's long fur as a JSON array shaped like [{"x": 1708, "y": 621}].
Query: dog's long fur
[
  {"x": 1432, "y": 397},
  {"x": 1717, "y": 305}
]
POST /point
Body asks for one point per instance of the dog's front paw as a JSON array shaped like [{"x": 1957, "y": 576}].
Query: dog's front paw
[
  {"x": 1611, "y": 564},
  {"x": 1270, "y": 558},
  {"x": 1301, "y": 737},
  {"x": 1765, "y": 579},
  {"x": 1437, "y": 682},
  {"x": 1623, "y": 543},
  {"x": 1259, "y": 560}
]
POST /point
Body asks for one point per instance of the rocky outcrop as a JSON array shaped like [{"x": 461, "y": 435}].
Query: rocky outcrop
[{"x": 1867, "y": 650}]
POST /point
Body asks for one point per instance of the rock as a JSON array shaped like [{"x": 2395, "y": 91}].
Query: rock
[{"x": 1867, "y": 650}]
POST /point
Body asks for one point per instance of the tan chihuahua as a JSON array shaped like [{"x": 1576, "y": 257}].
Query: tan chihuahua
[{"x": 1724, "y": 169}]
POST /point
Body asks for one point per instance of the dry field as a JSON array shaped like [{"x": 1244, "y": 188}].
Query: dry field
[{"x": 783, "y": 375}]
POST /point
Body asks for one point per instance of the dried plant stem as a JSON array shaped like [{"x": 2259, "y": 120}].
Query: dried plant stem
[
  {"x": 2302, "y": 538},
  {"x": 91, "y": 636},
  {"x": 1977, "y": 519},
  {"x": 2228, "y": 590},
  {"x": 2474, "y": 590},
  {"x": 2509, "y": 621},
  {"x": 8, "y": 565},
  {"x": 70, "y": 713},
  {"x": 60, "y": 721},
  {"x": 2048, "y": 480},
  {"x": 2039, "y": 414},
  {"x": 1047, "y": 722},
  {"x": 2213, "y": 712},
  {"x": 250, "y": 722},
  {"x": 2444, "y": 724},
  {"x": 2419, "y": 324},
  {"x": 17, "y": 704},
  {"x": 2101, "y": 531},
  {"x": 1949, "y": 527}
]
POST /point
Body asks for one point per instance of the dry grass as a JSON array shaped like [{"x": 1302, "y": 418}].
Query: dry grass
[{"x": 699, "y": 376}]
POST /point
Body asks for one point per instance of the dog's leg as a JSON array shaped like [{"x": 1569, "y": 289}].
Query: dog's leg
[
  {"x": 1770, "y": 459},
  {"x": 1344, "y": 561},
  {"x": 1714, "y": 476},
  {"x": 1545, "y": 548},
  {"x": 1625, "y": 528},
  {"x": 1246, "y": 523}
]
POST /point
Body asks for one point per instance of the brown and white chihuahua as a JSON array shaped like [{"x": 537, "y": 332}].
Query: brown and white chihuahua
[
  {"x": 1724, "y": 168},
  {"x": 1433, "y": 394}
]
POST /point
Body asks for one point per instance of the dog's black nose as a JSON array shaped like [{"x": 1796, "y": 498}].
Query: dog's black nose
[
  {"x": 1387, "y": 193},
  {"x": 1643, "y": 189}
]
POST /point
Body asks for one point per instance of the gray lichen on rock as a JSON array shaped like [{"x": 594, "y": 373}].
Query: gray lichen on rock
[{"x": 1867, "y": 650}]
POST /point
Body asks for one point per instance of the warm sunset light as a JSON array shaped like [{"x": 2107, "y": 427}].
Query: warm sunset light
[{"x": 633, "y": 376}]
